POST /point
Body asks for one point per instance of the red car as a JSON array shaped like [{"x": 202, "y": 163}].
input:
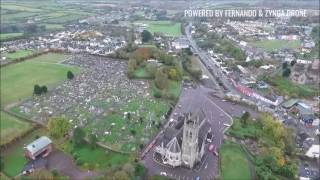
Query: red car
[{"x": 212, "y": 148}]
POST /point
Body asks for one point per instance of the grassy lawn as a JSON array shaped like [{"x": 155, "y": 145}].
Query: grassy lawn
[
  {"x": 274, "y": 45},
  {"x": 11, "y": 127},
  {"x": 98, "y": 158},
  {"x": 249, "y": 131},
  {"x": 141, "y": 73},
  {"x": 17, "y": 80},
  {"x": 172, "y": 92},
  {"x": 234, "y": 164},
  {"x": 165, "y": 27},
  {"x": 286, "y": 87},
  {"x": 54, "y": 26},
  {"x": 18, "y": 54},
  {"x": 14, "y": 159},
  {"x": 5, "y": 36}
]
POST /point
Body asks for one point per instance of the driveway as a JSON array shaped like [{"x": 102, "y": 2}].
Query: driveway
[{"x": 63, "y": 163}]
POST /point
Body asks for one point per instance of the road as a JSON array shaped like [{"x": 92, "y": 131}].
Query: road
[{"x": 206, "y": 60}]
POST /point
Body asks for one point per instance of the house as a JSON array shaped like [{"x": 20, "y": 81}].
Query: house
[
  {"x": 306, "y": 73},
  {"x": 180, "y": 43},
  {"x": 42, "y": 146}
]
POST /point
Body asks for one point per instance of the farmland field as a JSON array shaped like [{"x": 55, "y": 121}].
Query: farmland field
[
  {"x": 165, "y": 27},
  {"x": 20, "y": 78},
  {"x": 274, "y": 45},
  {"x": 18, "y": 54},
  {"x": 6, "y": 36},
  {"x": 11, "y": 127},
  {"x": 234, "y": 164}
]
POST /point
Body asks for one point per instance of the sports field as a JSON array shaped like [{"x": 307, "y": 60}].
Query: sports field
[
  {"x": 18, "y": 80},
  {"x": 275, "y": 45},
  {"x": 166, "y": 27},
  {"x": 11, "y": 127},
  {"x": 234, "y": 164}
]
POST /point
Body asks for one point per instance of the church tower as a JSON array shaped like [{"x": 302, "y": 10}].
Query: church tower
[{"x": 190, "y": 150}]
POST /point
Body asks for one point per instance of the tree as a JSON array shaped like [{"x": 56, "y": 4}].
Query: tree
[
  {"x": 44, "y": 89},
  {"x": 70, "y": 75},
  {"x": 78, "y": 135},
  {"x": 37, "y": 89},
  {"x": 146, "y": 36},
  {"x": 286, "y": 72},
  {"x": 244, "y": 118},
  {"x": 58, "y": 127},
  {"x": 293, "y": 62},
  {"x": 173, "y": 74},
  {"x": 161, "y": 79},
  {"x": 93, "y": 140},
  {"x": 121, "y": 175},
  {"x": 132, "y": 64},
  {"x": 128, "y": 168},
  {"x": 284, "y": 65},
  {"x": 140, "y": 170},
  {"x": 133, "y": 132},
  {"x": 151, "y": 68}
]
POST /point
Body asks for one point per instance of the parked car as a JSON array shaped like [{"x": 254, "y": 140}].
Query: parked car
[{"x": 163, "y": 173}]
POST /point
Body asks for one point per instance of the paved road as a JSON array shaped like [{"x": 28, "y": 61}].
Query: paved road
[
  {"x": 206, "y": 61},
  {"x": 191, "y": 100}
]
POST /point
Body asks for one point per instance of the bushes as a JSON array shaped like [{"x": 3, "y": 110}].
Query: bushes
[{"x": 38, "y": 90}]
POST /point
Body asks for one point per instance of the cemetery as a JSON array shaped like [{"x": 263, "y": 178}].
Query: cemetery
[{"x": 121, "y": 112}]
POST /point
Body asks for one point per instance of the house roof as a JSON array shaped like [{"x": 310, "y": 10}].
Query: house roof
[
  {"x": 38, "y": 144},
  {"x": 290, "y": 103}
]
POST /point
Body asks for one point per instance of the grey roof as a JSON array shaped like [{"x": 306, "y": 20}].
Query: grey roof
[
  {"x": 173, "y": 146},
  {"x": 290, "y": 103},
  {"x": 38, "y": 144}
]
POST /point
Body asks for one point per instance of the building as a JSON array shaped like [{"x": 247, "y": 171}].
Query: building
[
  {"x": 306, "y": 73},
  {"x": 184, "y": 145},
  {"x": 181, "y": 43},
  {"x": 42, "y": 146}
]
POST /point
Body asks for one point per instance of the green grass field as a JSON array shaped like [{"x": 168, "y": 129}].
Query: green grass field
[
  {"x": 234, "y": 164},
  {"x": 141, "y": 73},
  {"x": 11, "y": 127},
  {"x": 14, "y": 159},
  {"x": 98, "y": 158},
  {"x": 18, "y": 80},
  {"x": 18, "y": 54},
  {"x": 274, "y": 45},
  {"x": 6, "y": 36},
  {"x": 165, "y": 27}
]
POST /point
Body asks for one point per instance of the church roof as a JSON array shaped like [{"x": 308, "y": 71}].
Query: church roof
[{"x": 173, "y": 146}]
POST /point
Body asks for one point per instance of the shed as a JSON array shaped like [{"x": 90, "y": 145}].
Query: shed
[
  {"x": 43, "y": 146},
  {"x": 291, "y": 102}
]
